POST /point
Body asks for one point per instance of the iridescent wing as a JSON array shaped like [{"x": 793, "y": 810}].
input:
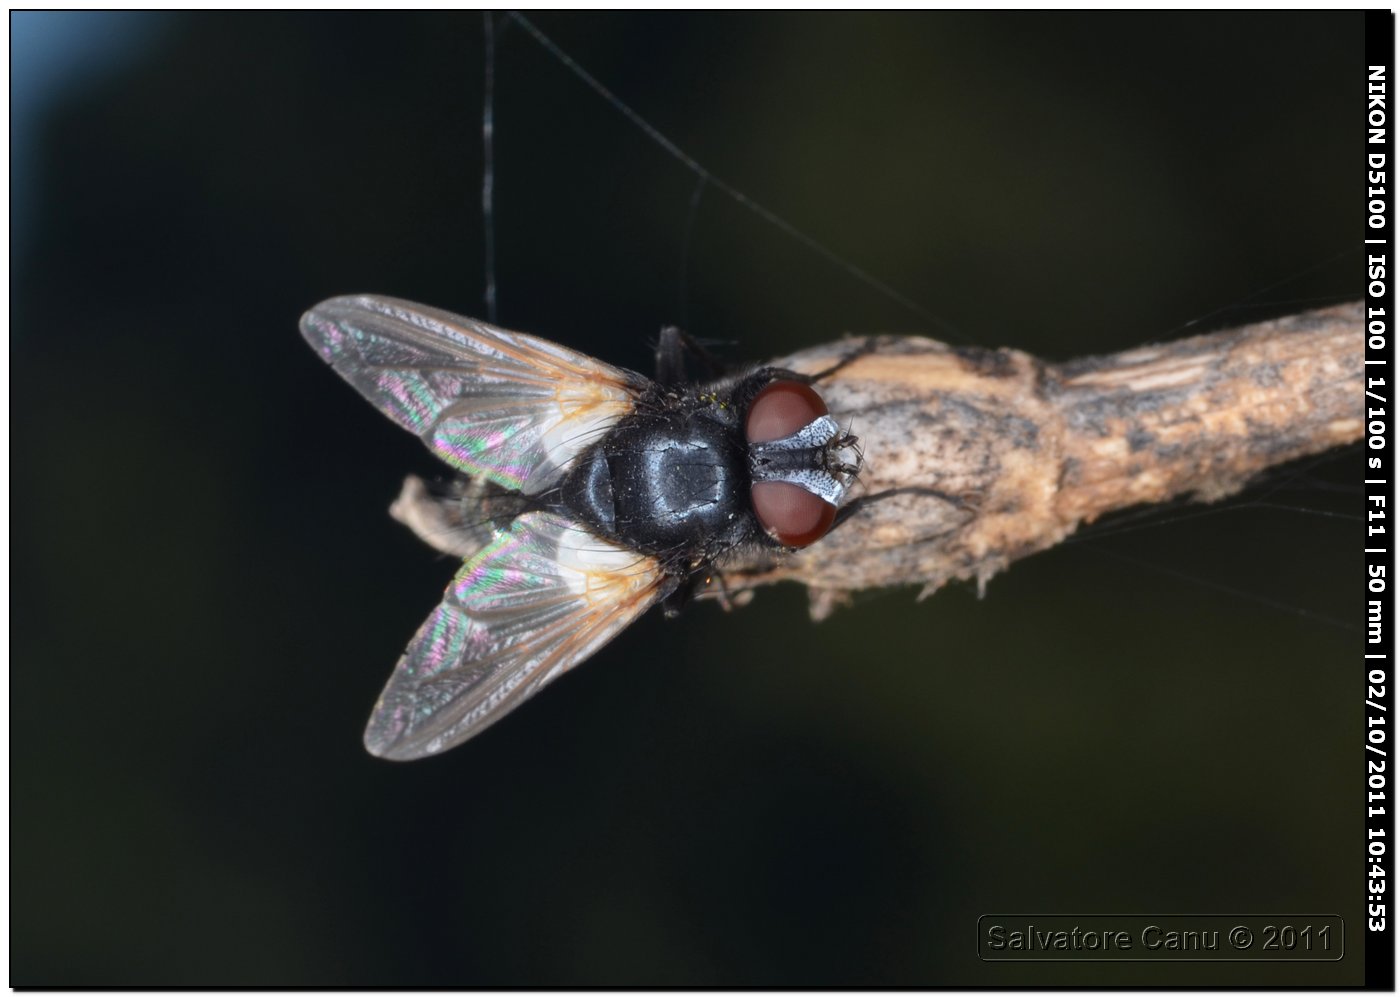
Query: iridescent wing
[
  {"x": 537, "y": 600},
  {"x": 510, "y": 407}
]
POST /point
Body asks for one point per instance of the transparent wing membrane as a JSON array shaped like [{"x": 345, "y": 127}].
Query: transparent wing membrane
[
  {"x": 508, "y": 406},
  {"x": 540, "y": 598}
]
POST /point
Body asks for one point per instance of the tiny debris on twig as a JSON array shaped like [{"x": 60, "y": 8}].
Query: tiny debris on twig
[{"x": 975, "y": 458}]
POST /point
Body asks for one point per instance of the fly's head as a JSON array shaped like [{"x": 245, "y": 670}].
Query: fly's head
[{"x": 801, "y": 462}]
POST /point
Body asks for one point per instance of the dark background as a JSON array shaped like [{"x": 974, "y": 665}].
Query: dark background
[{"x": 207, "y": 593}]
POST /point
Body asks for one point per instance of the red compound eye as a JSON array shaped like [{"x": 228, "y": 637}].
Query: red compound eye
[
  {"x": 790, "y": 513},
  {"x": 781, "y": 409}
]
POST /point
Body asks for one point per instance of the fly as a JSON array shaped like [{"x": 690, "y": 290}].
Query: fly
[{"x": 612, "y": 492}]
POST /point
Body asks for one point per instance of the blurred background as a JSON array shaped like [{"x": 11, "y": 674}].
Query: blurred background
[{"x": 208, "y": 592}]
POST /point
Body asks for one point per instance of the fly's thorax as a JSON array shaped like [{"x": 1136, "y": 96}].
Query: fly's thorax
[{"x": 669, "y": 482}]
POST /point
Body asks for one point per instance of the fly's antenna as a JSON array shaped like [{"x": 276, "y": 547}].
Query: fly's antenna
[{"x": 848, "y": 440}]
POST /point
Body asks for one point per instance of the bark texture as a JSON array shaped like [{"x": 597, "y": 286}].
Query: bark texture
[{"x": 974, "y": 458}]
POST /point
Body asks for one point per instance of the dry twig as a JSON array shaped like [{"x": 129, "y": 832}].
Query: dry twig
[{"x": 974, "y": 458}]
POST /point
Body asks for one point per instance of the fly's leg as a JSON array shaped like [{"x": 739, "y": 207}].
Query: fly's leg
[
  {"x": 680, "y": 596},
  {"x": 722, "y": 591},
  {"x": 867, "y": 346},
  {"x": 854, "y": 506},
  {"x": 691, "y": 588},
  {"x": 676, "y": 351},
  {"x": 763, "y": 375},
  {"x": 458, "y": 518}
]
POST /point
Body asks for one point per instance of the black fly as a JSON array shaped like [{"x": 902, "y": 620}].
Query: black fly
[{"x": 622, "y": 492}]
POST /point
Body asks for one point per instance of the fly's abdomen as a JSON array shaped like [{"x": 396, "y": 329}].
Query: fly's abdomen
[{"x": 588, "y": 492}]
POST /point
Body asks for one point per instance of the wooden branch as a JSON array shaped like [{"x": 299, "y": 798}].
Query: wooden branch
[{"x": 974, "y": 458}]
